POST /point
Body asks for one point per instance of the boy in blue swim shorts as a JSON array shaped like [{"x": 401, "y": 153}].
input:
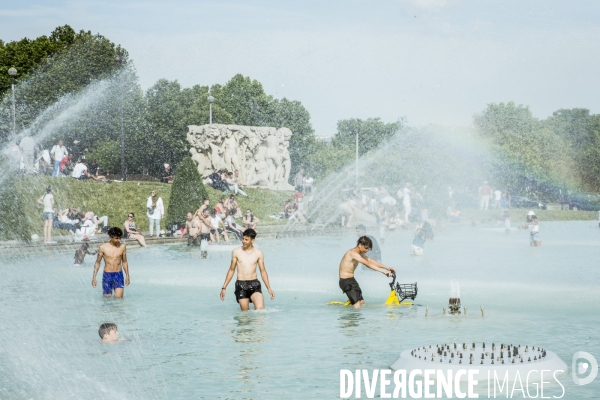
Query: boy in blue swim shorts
[{"x": 114, "y": 254}]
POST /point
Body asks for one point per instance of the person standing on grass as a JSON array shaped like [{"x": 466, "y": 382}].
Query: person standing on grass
[
  {"x": 58, "y": 152},
  {"x": 156, "y": 212},
  {"x": 48, "y": 201}
]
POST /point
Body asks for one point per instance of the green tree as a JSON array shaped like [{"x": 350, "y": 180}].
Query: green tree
[
  {"x": 525, "y": 153},
  {"x": 371, "y": 133},
  {"x": 52, "y": 68},
  {"x": 187, "y": 193}
]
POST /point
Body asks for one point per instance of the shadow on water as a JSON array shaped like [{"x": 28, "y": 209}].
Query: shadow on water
[
  {"x": 248, "y": 328},
  {"x": 349, "y": 322}
]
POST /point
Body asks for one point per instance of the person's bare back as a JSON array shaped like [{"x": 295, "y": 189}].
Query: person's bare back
[{"x": 247, "y": 287}]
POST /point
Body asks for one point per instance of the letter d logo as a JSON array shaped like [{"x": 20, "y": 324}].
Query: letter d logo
[{"x": 582, "y": 367}]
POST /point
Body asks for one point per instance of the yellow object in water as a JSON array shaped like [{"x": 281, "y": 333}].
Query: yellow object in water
[
  {"x": 341, "y": 303},
  {"x": 392, "y": 300}
]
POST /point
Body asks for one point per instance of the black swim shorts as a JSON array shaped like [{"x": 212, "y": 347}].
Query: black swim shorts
[
  {"x": 245, "y": 289},
  {"x": 350, "y": 287},
  {"x": 204, "y": 236}
]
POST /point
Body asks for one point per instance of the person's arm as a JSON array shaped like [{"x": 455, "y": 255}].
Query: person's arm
[
  {"x": 162, "y": 208},
  {"x": 264, "y": 275},
  {"x": 41, "y": 200},
  {"x": 125, "y": 264},
  {"x": 229, "y": 275},
  {"x": 373, "y": 264},
  {"x": 125, "y": 225},
  {"x": 97, "y": 265}
]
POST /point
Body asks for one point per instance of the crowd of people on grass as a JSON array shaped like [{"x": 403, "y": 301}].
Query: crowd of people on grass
[
  {"x": 216, "y": 223},
  {"x": 80, "y": 224}
]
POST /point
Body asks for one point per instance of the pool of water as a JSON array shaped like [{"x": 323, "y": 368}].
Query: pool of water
[{"x": 184, "y": 343}]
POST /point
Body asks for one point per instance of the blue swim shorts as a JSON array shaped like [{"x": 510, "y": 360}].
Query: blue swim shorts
[
  {"x": 112, "y": 281},
  {"x": 48, "y": 215},
  {"x": 535, "y": 237}
]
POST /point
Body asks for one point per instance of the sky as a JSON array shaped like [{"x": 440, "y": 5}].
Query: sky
[{"x": 429, "y": 61}]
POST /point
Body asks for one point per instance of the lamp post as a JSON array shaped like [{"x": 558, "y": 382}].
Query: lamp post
[
  {"x": 13, "y": 73},
  {"x": 356, "y": 164},
  {"x": 210, "y": 101},
  {"x": 120, "y": 59}
]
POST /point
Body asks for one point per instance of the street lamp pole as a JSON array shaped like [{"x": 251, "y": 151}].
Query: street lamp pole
[
  {"x": 210, "y": 101},
  {"x": 13, "y": 73},
  {"x": 120, "y": 60},
  {"x": 356, "y": 166}
]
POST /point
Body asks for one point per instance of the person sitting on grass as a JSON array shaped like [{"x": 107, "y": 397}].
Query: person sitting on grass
[
  {"x": 231, "y": 226},
  {"x": 250, "y": 221},
  {"x": 108, "y": 332},
  {"x": 131, "y": 231},
  {"x": 94, "y": 171},
  {"x": 80, "y": 171},
  {"x": 216, "y": 222},
  {"x": 232, "y": 205}
]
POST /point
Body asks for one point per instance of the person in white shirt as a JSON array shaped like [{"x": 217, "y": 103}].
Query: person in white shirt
[
  {"x": 407, "y": 191},
  {"x": 308, "y": 183},
  {"x": 216, "y": 222},
  {"x": 156, "y": 212},
  {"x": 48, "y": 201},
  {"x": 80, "y": 170},
  {"x": 497, "y": 197},
  {"x": 58, "y": 152},
  {"x": 233, "y": 186}
]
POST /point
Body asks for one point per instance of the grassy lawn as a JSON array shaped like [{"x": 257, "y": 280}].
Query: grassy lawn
[{"x": 117, "y": 199}]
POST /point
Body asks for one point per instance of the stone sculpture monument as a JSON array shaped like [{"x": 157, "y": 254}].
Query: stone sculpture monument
[{"x": 260, "y": 154}]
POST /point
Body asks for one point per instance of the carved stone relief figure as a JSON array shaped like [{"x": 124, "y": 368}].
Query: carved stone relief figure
[{"x": 260, "y": 154}]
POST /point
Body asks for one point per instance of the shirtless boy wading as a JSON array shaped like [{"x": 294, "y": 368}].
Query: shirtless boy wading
[
  {"x": 348, "y": 265},
  {"x": 247, "y": 287},
  {"x": 114, "y": 253}
]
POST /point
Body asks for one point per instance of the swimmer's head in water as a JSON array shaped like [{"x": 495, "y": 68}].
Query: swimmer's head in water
[
  {"x": 115, "y": 232},
  {"x": 365, "y": 241},
  {"x": 251, "y": 233},
  {"x": 106, "y": 329}
]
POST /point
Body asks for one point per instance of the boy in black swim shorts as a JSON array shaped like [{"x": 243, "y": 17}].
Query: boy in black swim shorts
[
  {"x": 247, "y": 287},
  {"x": 348, "y": 265}
]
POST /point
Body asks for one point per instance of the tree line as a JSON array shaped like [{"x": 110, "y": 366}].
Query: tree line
[{"x": 70, "y": 87}]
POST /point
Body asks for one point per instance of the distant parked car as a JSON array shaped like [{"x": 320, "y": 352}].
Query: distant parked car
[
  {"x": 584, "y": 201},
  {"x": 524, "y": 202}
]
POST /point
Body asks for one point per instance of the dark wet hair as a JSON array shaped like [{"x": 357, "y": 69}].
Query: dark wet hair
[
  {"x": 426, "y": 230},
  {"x": 115, "y": 231},
  {"x": 251, "y": 233},
  {"x": 361, "y": 227},
  {"x": 213, "y": 212},
  {"x": 106, "y": 328},
  {"x": 48, "y": 189},
  {"x": 365, "y": 241}
]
